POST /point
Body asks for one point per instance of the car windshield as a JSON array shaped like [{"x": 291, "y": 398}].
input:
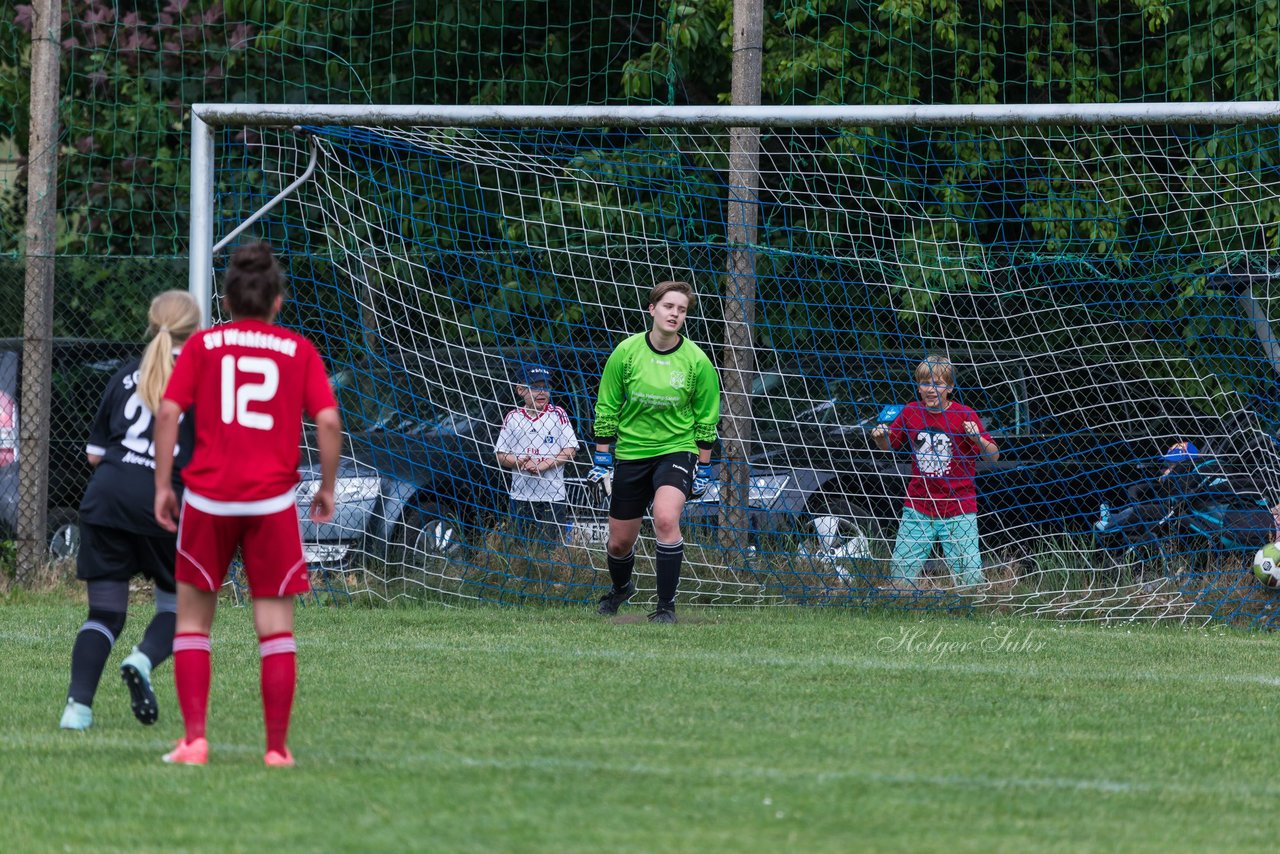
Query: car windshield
[
  {"x": 419, "y": 395},
  {"x": 783, "y": 400},
  {"x": 851, "y": 393}
]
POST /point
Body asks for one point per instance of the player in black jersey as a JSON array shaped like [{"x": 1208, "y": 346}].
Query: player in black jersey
[{"x": 119, "y": 537}]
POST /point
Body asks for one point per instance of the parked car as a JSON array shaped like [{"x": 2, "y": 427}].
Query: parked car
[
  {"x": 420, "y": 470},
  {"x": 81, "y": 370},
  {"x": 1072, "y": 433}
]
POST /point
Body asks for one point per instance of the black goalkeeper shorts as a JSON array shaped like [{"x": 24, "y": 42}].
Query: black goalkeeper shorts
[{"x": 635, "y": 482}]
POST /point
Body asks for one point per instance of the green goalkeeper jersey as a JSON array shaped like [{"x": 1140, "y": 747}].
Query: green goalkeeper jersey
[{"x": 657, "y": 403}]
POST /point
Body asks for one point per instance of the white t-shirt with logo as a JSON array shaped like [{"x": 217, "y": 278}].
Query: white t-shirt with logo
[{"x": 545, "y": 434}]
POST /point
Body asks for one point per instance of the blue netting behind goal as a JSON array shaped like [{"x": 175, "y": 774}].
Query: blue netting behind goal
[{"x": 1103, "y": 295}]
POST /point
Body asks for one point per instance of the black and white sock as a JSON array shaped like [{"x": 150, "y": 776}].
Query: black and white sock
[
  {"x": 667, "y": 565},
  {"x": 620, "y": 568},
  {"x": 89, "y": 654},
  {"x": 108, "y": 610}
]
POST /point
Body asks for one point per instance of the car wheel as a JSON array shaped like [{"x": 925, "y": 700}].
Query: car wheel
[
  {"x": 64, "y": 534},
  {"x": 845, "y": 529},
  {"x": 430, "y": 531},
  {"x": 1144, "y": 561}
]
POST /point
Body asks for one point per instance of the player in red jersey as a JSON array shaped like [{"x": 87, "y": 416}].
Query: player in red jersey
[{"x": 250, "y": 382}]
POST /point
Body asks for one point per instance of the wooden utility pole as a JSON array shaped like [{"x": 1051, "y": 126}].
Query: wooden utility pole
[
  {"x": 738, "y": 364},
  {"x": 37, "y": 316}
]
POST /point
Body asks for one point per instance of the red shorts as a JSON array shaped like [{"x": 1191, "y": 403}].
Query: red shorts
[{"x": 270, "y": 546}]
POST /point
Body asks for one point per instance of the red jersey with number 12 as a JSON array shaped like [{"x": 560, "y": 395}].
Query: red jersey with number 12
[{"x": 250, "y": 383}]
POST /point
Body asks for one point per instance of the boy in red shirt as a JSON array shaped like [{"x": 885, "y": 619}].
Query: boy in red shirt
[
  {"x": 250, "y": 382},
  {"x": 946, "y": 440}
]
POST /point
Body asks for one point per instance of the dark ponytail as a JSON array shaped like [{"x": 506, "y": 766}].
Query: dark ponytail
[{"x": 253, "y": 281}]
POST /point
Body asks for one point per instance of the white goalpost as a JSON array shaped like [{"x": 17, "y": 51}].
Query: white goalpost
[{"x": 1101, "y": 276}]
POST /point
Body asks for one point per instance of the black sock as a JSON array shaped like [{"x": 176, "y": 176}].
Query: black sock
[
  {"x": 667, "y": 565},
  {"x": 620, "y": 569},
  {"x": 157, "y": 640},
  {"x": 88, "y": 657}
]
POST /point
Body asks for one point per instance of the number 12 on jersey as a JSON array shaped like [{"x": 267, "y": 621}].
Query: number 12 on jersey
[{"x": 246, "y": 380}]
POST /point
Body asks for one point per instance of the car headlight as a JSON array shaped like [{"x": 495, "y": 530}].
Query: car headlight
[
  {"x": 763, "y": 492},
  {"x": 345, "y": 489}
]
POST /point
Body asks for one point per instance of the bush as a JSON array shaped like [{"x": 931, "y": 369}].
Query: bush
[{"x": 93, "y": 297}]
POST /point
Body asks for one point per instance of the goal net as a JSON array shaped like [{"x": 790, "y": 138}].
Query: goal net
[{"x": 1103, "y": 287}]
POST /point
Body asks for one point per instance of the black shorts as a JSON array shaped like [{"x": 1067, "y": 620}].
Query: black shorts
[
  {"x": 109, "y": 554},
  {"x": 635, "y": 482}
]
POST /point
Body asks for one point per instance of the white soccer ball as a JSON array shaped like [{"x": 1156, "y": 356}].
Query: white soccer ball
[{"x": 1266, "y": 565}]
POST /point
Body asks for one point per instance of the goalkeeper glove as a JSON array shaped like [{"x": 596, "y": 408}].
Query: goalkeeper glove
[
  {"x": 603, "y": 468},
  {"x": 701, "y": 479}
]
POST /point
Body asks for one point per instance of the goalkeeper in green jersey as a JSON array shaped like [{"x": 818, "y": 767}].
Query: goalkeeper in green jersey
[{"x": 659, "y": 404}]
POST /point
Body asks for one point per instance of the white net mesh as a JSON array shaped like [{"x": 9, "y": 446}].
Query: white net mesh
[{"x": 1103, "y": 294}]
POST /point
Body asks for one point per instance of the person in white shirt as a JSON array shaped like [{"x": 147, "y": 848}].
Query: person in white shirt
[{"x": 535, "y": 442}]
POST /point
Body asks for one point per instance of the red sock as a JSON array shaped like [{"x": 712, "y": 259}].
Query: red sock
[
  {"x": 191, "y": 675},
  {"x": 279, "y": 679}
]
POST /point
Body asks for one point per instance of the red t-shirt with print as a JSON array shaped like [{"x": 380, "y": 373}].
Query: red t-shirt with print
[{"x": 943, "y": 458}]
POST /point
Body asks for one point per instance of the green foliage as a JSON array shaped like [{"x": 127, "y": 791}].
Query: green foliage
[
  {"x": 103, "y": 298},
  {"x": 980, "y": 51},
  {"x": 15, "y": 47},
  {"x": 131, "y": 71},
  {"x": 437, "y": 52},
  {"x": 128, "y": 76},
  {"x": 690, "y": 59}
]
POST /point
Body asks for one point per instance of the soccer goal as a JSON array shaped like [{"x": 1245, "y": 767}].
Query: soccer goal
[{"x": 1100, "y": 277}]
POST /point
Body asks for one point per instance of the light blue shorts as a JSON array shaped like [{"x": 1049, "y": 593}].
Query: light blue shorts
[{"x": 959, "y": 538}]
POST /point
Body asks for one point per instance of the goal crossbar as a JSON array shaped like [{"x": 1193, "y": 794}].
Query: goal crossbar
[
  {"x": 206, "y": 116},
  {"x": 261, "y": 115}
]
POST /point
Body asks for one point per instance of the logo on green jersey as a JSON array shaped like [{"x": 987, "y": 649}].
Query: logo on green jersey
[{"x": 677, "y": 379}]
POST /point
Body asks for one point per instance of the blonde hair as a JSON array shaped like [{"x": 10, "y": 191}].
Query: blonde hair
[
  {"x": 663, "y": 288},
  {"x": 173, "y": 317},
  {"x": 936, "y": 368}
]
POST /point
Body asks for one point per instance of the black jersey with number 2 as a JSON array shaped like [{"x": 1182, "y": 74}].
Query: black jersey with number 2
[{"x": 121, "y": 493}]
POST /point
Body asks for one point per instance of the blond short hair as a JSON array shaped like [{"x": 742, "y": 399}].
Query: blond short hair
[{"x": 936, "y": 368}]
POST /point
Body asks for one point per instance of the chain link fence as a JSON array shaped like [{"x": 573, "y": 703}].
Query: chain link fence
[{"x": 100, "y": 310}]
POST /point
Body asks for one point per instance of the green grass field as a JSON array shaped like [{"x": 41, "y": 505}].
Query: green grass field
[{"x": 738, "y": 730}]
